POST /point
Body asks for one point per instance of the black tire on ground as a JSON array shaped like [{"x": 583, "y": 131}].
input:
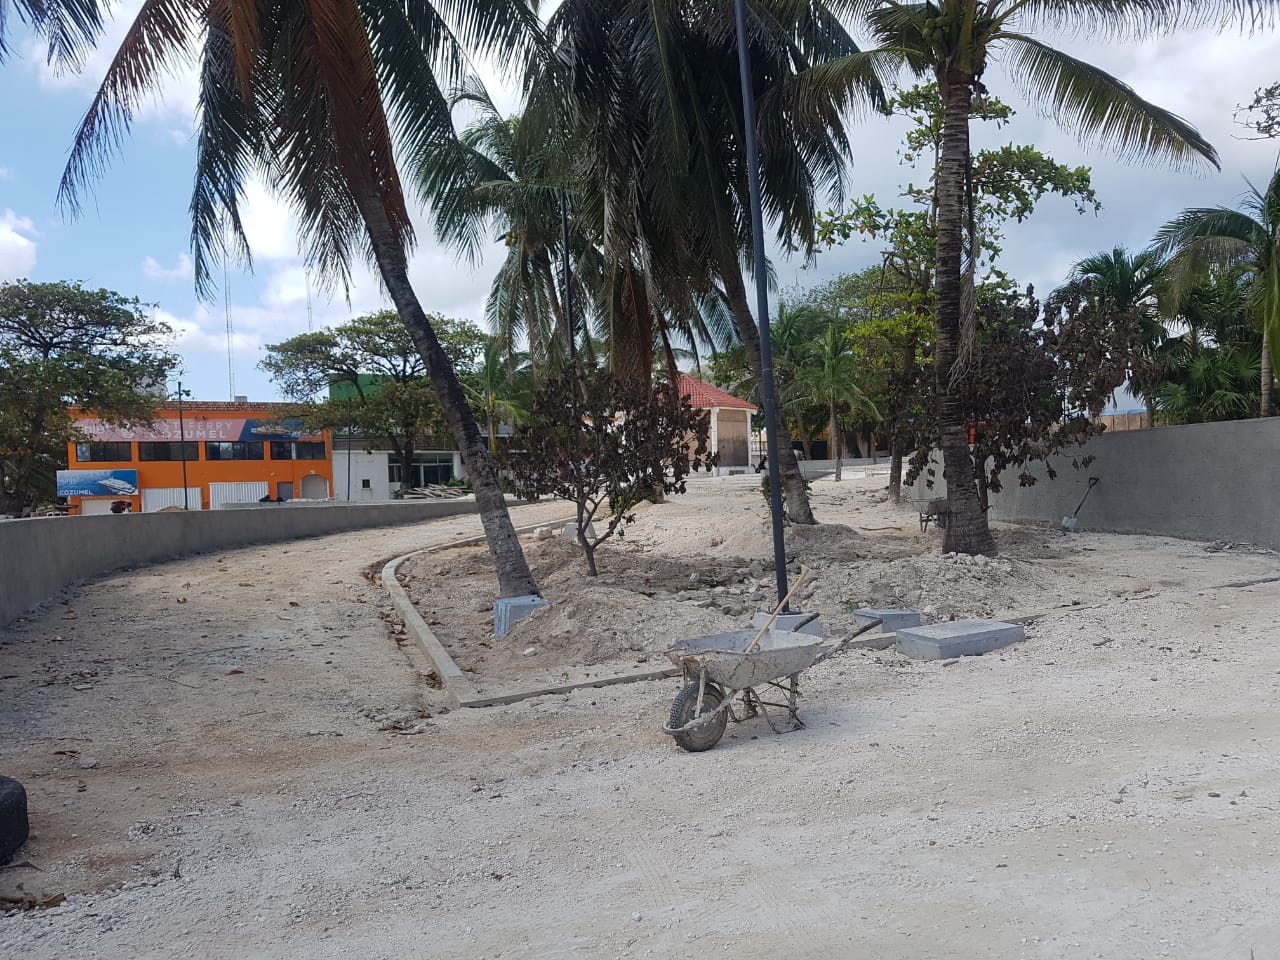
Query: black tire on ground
[
  {"x": 705, "y": 735},
  {"x": 13, "y": 818}
]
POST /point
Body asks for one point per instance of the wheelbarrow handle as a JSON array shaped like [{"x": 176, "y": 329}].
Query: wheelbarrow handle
[
  {"x": 782, "y": 605},
  {"x": 843, "y": 644}
]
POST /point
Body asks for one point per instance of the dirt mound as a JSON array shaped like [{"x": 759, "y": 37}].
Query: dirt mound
[{"x": 942, "y": 586}]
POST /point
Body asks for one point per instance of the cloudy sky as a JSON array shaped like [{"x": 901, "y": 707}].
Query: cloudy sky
[{"x": 133, "y": 234}]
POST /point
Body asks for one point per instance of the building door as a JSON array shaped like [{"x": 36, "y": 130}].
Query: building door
[
  {"x": 284, "y": 489},
  {"x": 96, "y": 506},
  {"x": 158, "y": 498},
  {"x": 244, "y": 492},
  {"x": 315, "y": 487}
]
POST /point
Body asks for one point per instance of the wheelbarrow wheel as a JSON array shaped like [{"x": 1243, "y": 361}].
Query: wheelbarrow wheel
[{"x": 705, "y": 735}]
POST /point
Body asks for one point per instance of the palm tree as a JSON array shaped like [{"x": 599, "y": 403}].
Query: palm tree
[
  {"x": 1126, "y": 287},
  {"x": 1248, "y": 239},
  {"x": 503, "y": 177},
  {"x": 655, "y": 89},
  {"x": 953, "y": 41},
  {"x": 498, "y": 388},
  {"x": 828, "y": 377},
  {"x": 316, "y": 98}
]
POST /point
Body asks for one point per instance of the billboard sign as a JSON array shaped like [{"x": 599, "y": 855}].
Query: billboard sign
[
  {"x": 197, "y": 429},
  {"x": 97, "y": 483}
]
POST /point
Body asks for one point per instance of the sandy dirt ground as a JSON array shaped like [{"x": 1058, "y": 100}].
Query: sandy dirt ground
[{"x": 237, "y": 755}]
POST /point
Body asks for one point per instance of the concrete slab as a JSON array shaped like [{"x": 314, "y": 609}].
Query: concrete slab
[
  {"x": 508, "y": 611},
  {"x": 958, "y": 638},
  {"x": 788, "y": 621},
  {"x": 890, "y": 620}
]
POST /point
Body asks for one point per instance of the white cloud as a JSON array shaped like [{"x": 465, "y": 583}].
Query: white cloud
[
  {"x": 17, "y": 248},
  {"x": 153, "y": 270},
  {"x": 176, "y": 103},
  {"x": 6, "y": 173},
  {"x": 269, "y": 224}
]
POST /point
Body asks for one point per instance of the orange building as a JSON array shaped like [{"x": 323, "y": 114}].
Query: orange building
[{"x": 207, "y": 455}]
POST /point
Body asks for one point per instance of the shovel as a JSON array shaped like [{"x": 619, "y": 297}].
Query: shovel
[
  {"x": 782, "y": 605},
  {"x": 1069, "y": 523}
]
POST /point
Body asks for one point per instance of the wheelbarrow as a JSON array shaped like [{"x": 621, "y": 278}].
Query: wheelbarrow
[{"x": 723, "y": 666}]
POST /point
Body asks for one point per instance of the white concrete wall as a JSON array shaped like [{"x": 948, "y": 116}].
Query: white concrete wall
[
  {"x": 41, "y": 556},
  {"x": 364, "y": 466},
  {"x": 1209, "y": 481}
]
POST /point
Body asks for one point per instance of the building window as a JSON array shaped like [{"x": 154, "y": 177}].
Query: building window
[
  {"x": 169, "y": 451},
  {"x": 302, "y": 450},
  {"x": 425, "y": 470},
  {"x": 235, "y": 450},
  {"x": 366, "y": 484},
  {"x": 115, "y": 451}
]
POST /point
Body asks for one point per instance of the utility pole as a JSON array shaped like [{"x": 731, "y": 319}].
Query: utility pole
[
  {"x": 762, "y": 300},
  {"x": 568, "y": 285},
  {"x": 182, "y": 448}
]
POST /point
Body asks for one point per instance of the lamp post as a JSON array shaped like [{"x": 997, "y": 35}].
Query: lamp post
[
  {"x": 182, "y": 448},
  {"x": 762, "y": 300}
]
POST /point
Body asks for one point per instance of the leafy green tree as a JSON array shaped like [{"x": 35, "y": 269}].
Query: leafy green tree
[
  {"x": 952, "y": 42},
  {"x": 375, "y": 379},
  {"x": 1005, "y": 186},
  {"x": 318, "y": 99},
  {"x": 63, "y": 346},
  {"x": 891, "y": 329},
  {"x": 606, "y": 443},
  {"x": 1248, "y": 239}
]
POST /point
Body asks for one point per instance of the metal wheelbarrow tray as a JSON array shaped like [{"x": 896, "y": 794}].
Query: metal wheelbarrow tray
[{"x": 717, "y": 668}]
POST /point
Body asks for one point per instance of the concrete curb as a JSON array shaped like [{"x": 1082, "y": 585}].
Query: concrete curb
[{"x": 457, "y": 686}]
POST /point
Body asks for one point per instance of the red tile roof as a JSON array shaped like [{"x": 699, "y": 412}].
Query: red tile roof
[{"x": 704, "y": 396}]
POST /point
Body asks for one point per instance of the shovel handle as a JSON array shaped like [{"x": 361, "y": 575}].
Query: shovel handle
[{"x": 782, "y": 605}]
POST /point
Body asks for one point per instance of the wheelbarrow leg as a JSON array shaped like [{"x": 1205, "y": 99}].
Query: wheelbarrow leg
[{"x": 793, "y": 703}]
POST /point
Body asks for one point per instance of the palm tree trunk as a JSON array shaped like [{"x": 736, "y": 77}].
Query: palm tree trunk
[
  {"x": 793, "y": 491},
  {"x": 967, "y": 530},
  {"x": 514, "y": 576},
  {"x": 1266, "y": 370},
  {"x": 835, "y": 437}
]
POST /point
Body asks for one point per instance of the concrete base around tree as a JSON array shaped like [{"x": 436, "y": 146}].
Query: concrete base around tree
[
  {"x": 508, "y": 611},
  {"x": 958, "y": 638}
]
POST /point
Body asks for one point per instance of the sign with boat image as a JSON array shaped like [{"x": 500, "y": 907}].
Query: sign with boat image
[
  {"x": 199, "y": 428},
  {"x": 97, "y": 483}
]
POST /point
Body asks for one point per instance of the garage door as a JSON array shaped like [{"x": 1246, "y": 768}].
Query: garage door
[
  {"x": 95, "y": 506},
  {"x": 245, "y": 492},
  {"x": 157, "y": 498}
]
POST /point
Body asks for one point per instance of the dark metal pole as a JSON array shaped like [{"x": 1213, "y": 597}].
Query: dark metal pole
[
  {"x": 182, "y": 447},
  {"x": 568, "y": 284},
  {"x": 762, "y": 300}
]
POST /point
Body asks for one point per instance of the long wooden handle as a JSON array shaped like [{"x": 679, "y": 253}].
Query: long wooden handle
[{"x": 782, "y": 605}]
